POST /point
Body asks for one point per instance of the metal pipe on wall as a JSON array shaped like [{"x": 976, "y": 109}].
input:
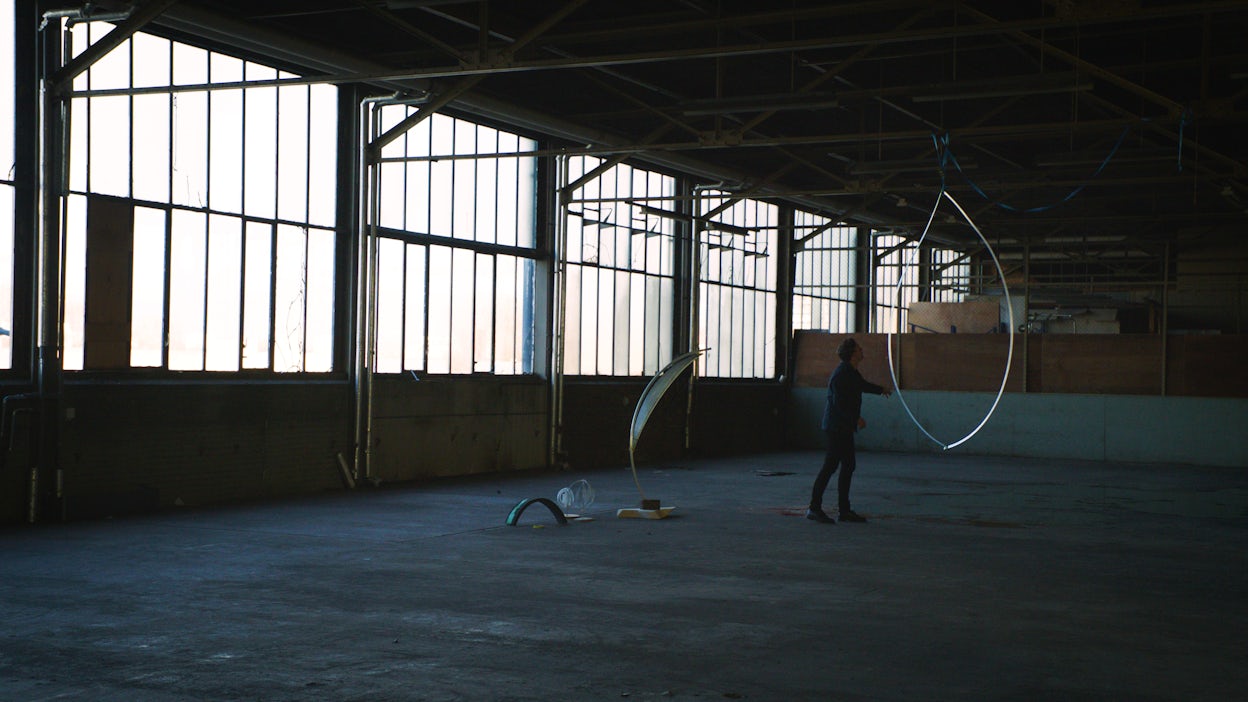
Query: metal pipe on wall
[
  {"x": 1026, "y": 310},
  {"x": 1165, "y": 314},
  {"x": 560, "y": 312},
  {"x": 52, "y": 175}
]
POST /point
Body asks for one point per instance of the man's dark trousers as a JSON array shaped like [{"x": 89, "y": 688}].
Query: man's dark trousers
[{"x": 840, "y": 452}]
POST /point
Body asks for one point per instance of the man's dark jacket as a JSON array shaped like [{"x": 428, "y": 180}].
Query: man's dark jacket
[{"x": 844, "y": 405}]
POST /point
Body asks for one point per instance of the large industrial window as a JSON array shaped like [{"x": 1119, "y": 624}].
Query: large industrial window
[
  {"x": 896, "y": 259},
  {"x": 737, "y": 286},
  {"x": 231, "y": 207},
  {"x": 7, "y": 175},
  {"x": 824, "y": 275},
  {"x": 457, "y": 248},
  {"x": 620, "y": 271},
  {"x": 950, "y": 275}
]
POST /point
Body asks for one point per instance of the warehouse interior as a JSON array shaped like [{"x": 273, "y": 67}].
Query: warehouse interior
[{"x": 359, "y": 275}]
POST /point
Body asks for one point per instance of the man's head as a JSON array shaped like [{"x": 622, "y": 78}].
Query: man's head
[{"x": 847, "y": 349}]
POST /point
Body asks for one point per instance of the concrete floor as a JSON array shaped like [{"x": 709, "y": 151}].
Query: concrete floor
[{"x": 977, "y": 579}]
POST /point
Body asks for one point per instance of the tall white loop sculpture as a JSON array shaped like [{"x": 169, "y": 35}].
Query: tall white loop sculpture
[{"x": 1009, "y": 359}]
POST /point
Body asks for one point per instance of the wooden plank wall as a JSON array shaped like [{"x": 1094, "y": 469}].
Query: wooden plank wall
[
  {"x": 1112, "y": 364},
  {"x": 1208, "y": 366},
  {"x": 110, "y": 227},
  {"x": 1108, "y": 364}
]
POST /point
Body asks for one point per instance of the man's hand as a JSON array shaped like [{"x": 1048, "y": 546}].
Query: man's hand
[
  {"x": 862, "y": 423},
  {"x": 887, "y": 392}
]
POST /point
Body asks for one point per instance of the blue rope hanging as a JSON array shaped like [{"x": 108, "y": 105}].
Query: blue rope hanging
[
  {"x": 945, "y": 156},
  {"x": 1185, "y": 120}
]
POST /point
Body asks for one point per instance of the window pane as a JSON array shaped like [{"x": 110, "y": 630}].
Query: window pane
[
  {"x": 485, "y": 198},
  {"x": 505, "y": 347},
  {"x": 622, "y": 316},
  {"x": 526, "y": 199},
  {"x": 483, "y": 317},
  {"x": 230, "y": 296},
  {"x": 225, "y": 69},
  {"x": 738, "y": 284},
  {"x": 439, "y": 309},
  {"x": 390, "y": 280},
  {"x": 113, "y": 69},
  {"x": 465, "y": 182},
  {"x": 390, "y": 194},
  {"x": 151, "y": 147},
  {"x": 260, "y": 147},
  {"x": 414, "y": 321},
  {"x": 289, "y": 309},
  {"x": 6, "y": 94},
  {"x": 525, "y": 290},
  {"x": 462, "y": 307},
  {"x": 572, "y": 322},
  {"x": 441, "y": 175},
  {"x": 418, "y": 199},
  {"x": 78, "y": 43},
  {"x": 469, "y": 310},
  {"x": 323, "y": 155},
  {"x": 292, "y": 153},
  {"x": 257, "y": 279},
  {"x": 190, "y": 65},
  {"x": 6, "y": 275},
  {"x": 187, "y": 269},
  {"x": 589, "y": 320},
  {"x": 190, "y": 149},
  {"x": 147, "y": 317},
  {"x": 225, "y": 263},
  {"x": 151, "y": 61},
  {"x": 637, "y": 294},
  {"x": 110, "y": 146},
  {"x": 507, "y": 196},
  {"x": 226, "y": 150},
  {"x": 605, "y": 319},
  {"x": 75, "y": 281},
  {"x": 823, "y": 274},
  {"x": 79, "y": 121},
  {"x": 320, "y": 294}
]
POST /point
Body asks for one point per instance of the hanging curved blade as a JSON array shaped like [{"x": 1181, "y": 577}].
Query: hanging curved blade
[{"x": 649, "y": 399}]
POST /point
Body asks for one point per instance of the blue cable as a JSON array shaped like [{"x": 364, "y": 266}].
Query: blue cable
[
  {"x": 1183, "y": 122},
  {"x": 946, "y": 155}
]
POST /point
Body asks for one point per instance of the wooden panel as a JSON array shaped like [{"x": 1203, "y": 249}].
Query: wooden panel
[
  {"x": 110, "y": 236},
  {"x": 138, "y": 447},
  {"x": 1120, "y": 364},
  {"x": 963, "y": 362},
  {"x": 816, "y": 357},
  {"x": 1207, "y": 365},
  {"x": 979, "y": 317}
]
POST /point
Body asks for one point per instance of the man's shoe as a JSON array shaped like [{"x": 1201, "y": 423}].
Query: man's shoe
[
  {"x": 818, "y": 515},
  {"x": 849, "y": 515}
]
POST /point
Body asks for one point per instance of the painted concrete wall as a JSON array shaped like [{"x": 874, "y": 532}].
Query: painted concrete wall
[
  {"x": 138, "y": 447},
  {"x": 728, "y": 418},
  {"x": 438, "y": 427},
  {"x": 1181, "y": 430}
]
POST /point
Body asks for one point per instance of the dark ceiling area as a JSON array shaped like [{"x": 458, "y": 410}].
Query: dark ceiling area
[{"x": 1100, "y": 135}]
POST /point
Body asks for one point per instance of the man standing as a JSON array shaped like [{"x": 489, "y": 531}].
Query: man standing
[{"x": 842, "y": 416}]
